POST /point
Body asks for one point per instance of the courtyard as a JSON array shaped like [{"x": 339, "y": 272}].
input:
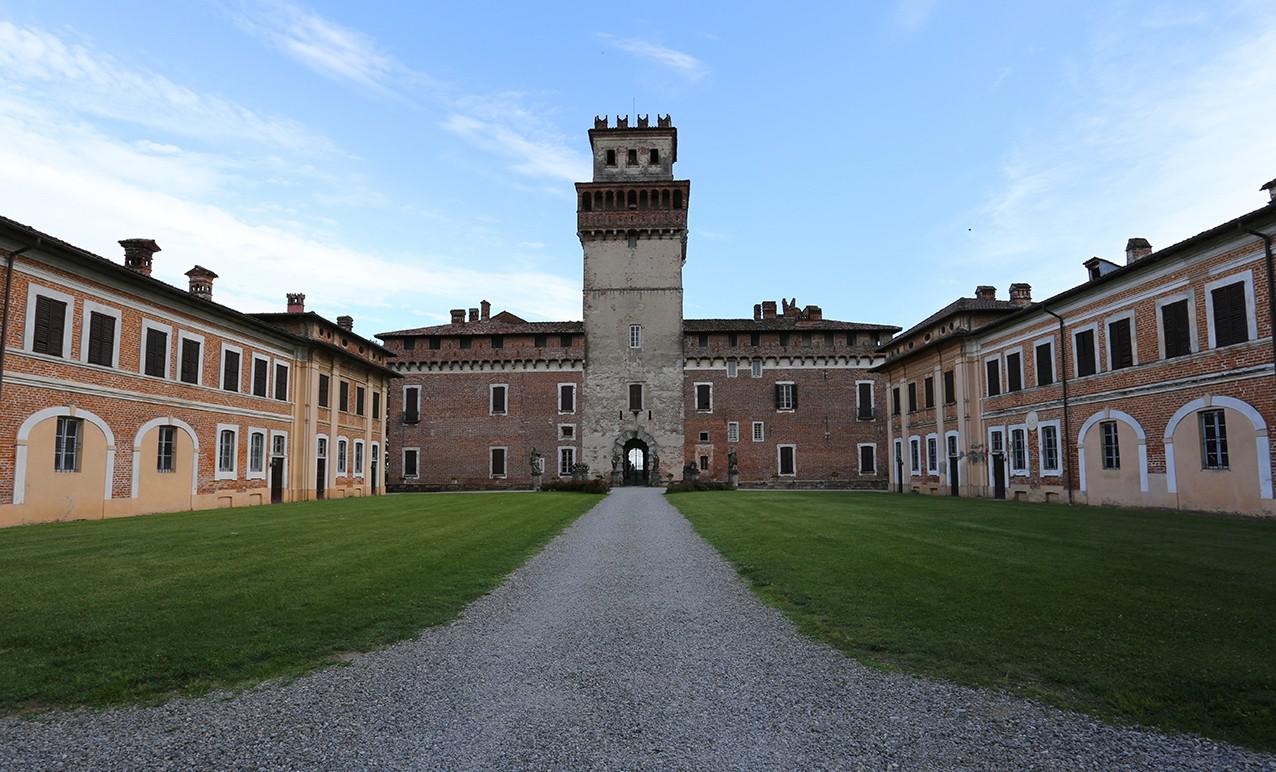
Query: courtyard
[{"x": 630, "y": 640}]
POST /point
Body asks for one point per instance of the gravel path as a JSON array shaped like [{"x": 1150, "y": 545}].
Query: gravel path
[{"x": 629, "y": 642}]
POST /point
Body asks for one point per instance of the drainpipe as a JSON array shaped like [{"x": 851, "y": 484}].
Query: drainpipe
[
  {"x": 1271, "y": 307},
  {"x": 4, "y": 322},
  {"x": 1067, "y": 414}
]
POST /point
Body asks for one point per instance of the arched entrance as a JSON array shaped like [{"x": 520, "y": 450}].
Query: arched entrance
[{"x": 636, "y": 457}]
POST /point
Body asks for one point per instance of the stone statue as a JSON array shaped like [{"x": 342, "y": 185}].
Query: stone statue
[
  {"x": 653, "y": 468},
  {"x": 732, "y": 466},
  {"x": 615, "y": 462},
  {"x": 535, "y": 462}
]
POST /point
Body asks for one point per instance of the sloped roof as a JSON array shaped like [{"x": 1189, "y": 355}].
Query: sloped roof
[
  {"x": 958, "y": 306},
  {"x": 779, "y": 324},
  {"x": 497, "y": 325}
]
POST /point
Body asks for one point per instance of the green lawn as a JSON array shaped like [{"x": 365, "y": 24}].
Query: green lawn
[
  {"x": 1162, "y": 618},
  {"x": 141, "y": 608}
]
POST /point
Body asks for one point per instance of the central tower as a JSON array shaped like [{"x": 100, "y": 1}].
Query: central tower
[{"x": 632, "y": 223}]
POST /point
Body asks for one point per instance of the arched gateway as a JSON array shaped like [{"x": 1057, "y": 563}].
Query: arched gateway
[{"x": 636, "y": 459}]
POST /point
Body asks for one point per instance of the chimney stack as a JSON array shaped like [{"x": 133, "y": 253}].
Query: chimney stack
[
  {"x": 138, "y": 253},
  {"x": 985, "y": 292},
  {"x": 1021, "y": 294},
  {"x": 813, "y": 313},
  {"x": 458, "y": 316},
  {"x": 757, "y": 312},
  {"x": 201, "y": 282},
  {"x": 768, "y": 309},
  {"x": 346, "y": 323},
  {"x": 296, "y": 302},
  {"x": 485, "y": 310},
  {"x": 1271, "y": 191},
  {"x": 474, "y": 315},
  {"x": 1136, "y": 249}
]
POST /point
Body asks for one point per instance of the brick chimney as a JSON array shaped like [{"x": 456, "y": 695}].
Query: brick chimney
[
  {"x": 485, "y": 310},
  {"x": 474, "y": 315},
  {"x": 985, "y": 292},
  {"x": 296, "y": 302},
  {"x": 458, "y": 316},
  {"x": 138, "y": 253},
  {"x": 1021, "y": 294},
  {"x": 346, "y": 323},
  {"x": 813, "y": 313},
  {"x": 1271, "y": 191},
  {"x": 757, "y": 311},
  {"x": 768, "y": 309},
  {"x": 201, "y": 282},
  {"x": 1136, "y": 249}
]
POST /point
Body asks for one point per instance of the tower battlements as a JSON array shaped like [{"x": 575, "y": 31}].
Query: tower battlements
[{"x": 633, "y": 151}]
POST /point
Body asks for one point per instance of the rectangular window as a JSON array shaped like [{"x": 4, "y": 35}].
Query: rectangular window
[
  {"x": 281, "y": 381},
  {"x": 566, "y": 398},
  {"x": 635, "y": 396},
  {"x": 631, "y": 157},
  {"x": 567, "y": 431},
  {"x": 376, "y": 404},
  {"x": 703, "y": 339},
  {"x": 412, "y": 405},
  {"x": 343, "y": 396},
  {"x": 497, "y": 400},
  {"x": 733, "y": 431},
  {"x": 1231, "y": 319},
  {"x": 611, "y": 157},
  {"x": 434, "y": 342},
  {"x": 653, "y": 156},
  {"x": 50, "y": 326},
  {"x": 566, "y": 460},
  {"x": 409, "y": 342},
  {"x": 785, "y": 396},
  {"x": 915, "y": 454},
  {"x": 704, "y": 397},
  {"x": 1176, "y": 329},
  {"x": 950, "y": 388},
  {"x": 784, "y": 339},
  {"x": 704, "y": 436},
  {"x": 343, "y": 447},
  {"x": 101, "y": 340},
  {"x": 992, "y": 371},
  {"x": 635, "y": 336},
  {"x": 466, "y": 341},
  {"x": 928, "y": 391},
  {"x": 230, "y": 370},
  {"x": 864, "y": 401},
  {"x": 755, "y": 339},
  {"x": 733, "y": 339},
  {"x": 358, "y": 457},
  {"x": 1014, "y": 372},
  {"x": 261, "y": 374},
  {"x": 323, "y": 390},
  {"x": 497, "y": 341},
  {"x": 755, "y": 368},
  {"x": 192, "y": 354},
  {"x": 868, "y": 459},
  {"x": 226, "y": 452},
  {"x": 66, "y": 444},
  {"x": 895, "y": 410},
  {"x": 1045, "y": 363},
  {"x": 912, "y": 397},
  {"x": 155, "y": 358},
  {"x": 1111, "y": 446},
  {"x": 1083, "y": 352},
  {"x": 540, "y": 341},
  {"x": 997, "y": 445},
  {"x": 566, "y": 340},
  {"x": 787, "y": 460},
  {"x": 498, "y": 462},
  {"x": 410, "y": 465},
  {"x": 759, "y": 431},
  {"x": 1049, "y": 437},
  {"x": 1120, "y": 347},
  {"x": 704, "y": 463},
  {"x": 166, "y": 449},
  {"x": 360, "y": 400},
  {"x": 932, "y": 454},
  {"x": 732, "y": 368},
  {"x": 1019, "y": 451},
  {"x": 951, "y": 442},
  {"x": 256, "y": 452},
  {"x": 1213, "y": 439}
]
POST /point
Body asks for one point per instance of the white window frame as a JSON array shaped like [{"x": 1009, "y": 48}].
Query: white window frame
[
  {"x": 167, "y": 329},
  {"x": 915, "y": 460},
  {"x": 491, "y": 398},
  {"x": 635, "y": 336},
  {"x": 1054, "y": 362},
  {"x": 342, "y": 463},
  {"x": 1005, "y": 365},
  {"x": 239, "y": 382},
  {"x": 28, "y": 334},
  {"x": 790, "y": 408},
  {"x": 733, "y": 431},
  {"x": 859, "y": 458},
  {"x": 566, "y": 472},
  {"x": 233, "y": 472},
  {"x": 275, "y": 363},
  {"x": 733, "y": 368},
  {"x": 88, "y": 308},
  {"x": 897, "y": 465},
  {"x": 249, "y": 474},
  {"x": 359, "y": 465},
  {"x": 1001, "y": 376},
  {"x": 1026, "y": 469},
  {"x": 1076, "y": 361},
  {"x": 932, "y": 437},
  {"x": 872, "y": 400},
  {"x": 758, "y": 431},
  {"x": 951, "y": 434},
  {"x": 505, "y": 451},
  {"x": 270, "y": 452},
  {"x": 570, "y": 434},
  {"x": 561, "y": 386},
  {"x": 403, "y": 463},
  {"x": 778, "y": 466},
  {"x": 1134, "y": 337},
  {"x": 695, "y": 395},
  {"x": 1251, "y": 316},
  {"x": 407, "y": 386},
  {"x": 183, "y": 335},
  {"x": 755, "y": 368},
  {"x": 1193, "y": 342},
  {"x": 252, "y": 376},
  {"x": 1004, "y": 450},
  {"x": 1041, "y": 446}
]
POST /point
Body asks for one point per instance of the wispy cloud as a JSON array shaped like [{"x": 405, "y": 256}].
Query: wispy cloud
[
  {"x": 680, "y": 62},
  {"x": 526, "y": 156},
  {"x": 912, "y": 14}
]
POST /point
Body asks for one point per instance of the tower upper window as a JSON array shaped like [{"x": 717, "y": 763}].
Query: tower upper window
[
  {"x": 611, "y": 157},
  {"x": 631, "y": 159},
  {"x": 653, "y": 157}
]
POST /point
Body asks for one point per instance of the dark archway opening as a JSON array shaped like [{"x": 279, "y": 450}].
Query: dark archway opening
[{"x": 637, "y": 459}]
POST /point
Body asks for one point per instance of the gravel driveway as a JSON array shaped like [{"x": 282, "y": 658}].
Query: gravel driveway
[{"x": 628, "y": 642}]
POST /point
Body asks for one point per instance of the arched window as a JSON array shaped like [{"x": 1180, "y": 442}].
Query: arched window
[
  {"x": 664, "y": 199},
  {"x": 586, "y": 202},
  {"x": 631, "y": 199},
  {"x": 642, "y": 200},
  {"x": 610, "y": 200},
  {"x": 677, "y": 199}
]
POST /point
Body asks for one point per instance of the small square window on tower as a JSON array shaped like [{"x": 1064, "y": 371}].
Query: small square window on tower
[
  {"x": 611, "y": 157},
  {"x": 653, "y": 157},
  {"x": 631, "y": 158}
]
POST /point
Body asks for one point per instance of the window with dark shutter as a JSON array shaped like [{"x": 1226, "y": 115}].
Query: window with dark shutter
[
  {"x": 928, "y": 391},
  {"x": 1045, "y": 364},
  {"x": 912, "y": 397},
  {"x": 1014, "y": 372},
  {"x": 755, "y": 339},
  {"x": 360, "y": 398},
  {"x": 635, "y": 396},
  {"x": 230, "y": 371},
  {"x": 281, "y": 381},
  {"x": 895, "y": 401},
  {"x": 376, "y": 404},
  {"x": 864, "y": 401},
  {"x": 498, "y": 341},
  {"x": 950, "y": 388},
  {"x": 409, "y": 342},
  {"x": 50, "y": 325},
  {"x": 787, "y": 466},
  {"x": 101, "y": 339},
  {"x": 540, "y": 341},
  {"x": 498, "y": 462},
  {"x": 156, "y": 350},
  {"x": 566, "y": 340},
  {"x": 868, "y": 459},
  {"x": 411, "y": 405},
  {"x": 704, "y": 397},
  {"x": 261, "y": 373},
  {"x": 567, "y": 398},
  {"x": 434, "y": 342},
  {"x": 323, "y": 390},
  {"x": 1122, "y": 349},
  {"x": 1083, "y": 350},
  {"x": 190, "y": 361},
  {"x": 1231, "y": 320},
  {"x": 498, "y": 406},
  {"x": 1176, "y": 329},
  {"x": 993, "y": 370},
  {"x": 343, "y": 396},
  {"x": 410, "y": 463}
]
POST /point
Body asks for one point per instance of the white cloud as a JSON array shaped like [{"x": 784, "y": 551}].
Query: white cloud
[
  {"x": 683, "y": 63},
  {"x": 912, "y": 14},
  {"x": 529, "y": 156}
]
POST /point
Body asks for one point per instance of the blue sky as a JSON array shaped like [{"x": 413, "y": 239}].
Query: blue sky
[{"x": 397, "y": 160}]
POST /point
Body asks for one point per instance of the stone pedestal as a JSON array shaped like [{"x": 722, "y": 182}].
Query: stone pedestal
[
  {"x": 733, "y": 479},
  {"x": 536, "y": 481}
]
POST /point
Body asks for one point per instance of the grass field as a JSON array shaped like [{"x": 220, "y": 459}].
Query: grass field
[
  {"x": 1161, "y": 618},
  {"x": 141, "y": 608}
]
